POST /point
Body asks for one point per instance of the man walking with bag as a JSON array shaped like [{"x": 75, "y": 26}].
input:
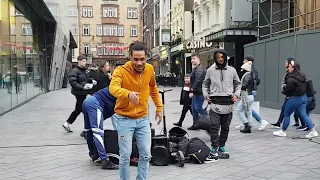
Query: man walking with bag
[{"x": 221, "y": 87}]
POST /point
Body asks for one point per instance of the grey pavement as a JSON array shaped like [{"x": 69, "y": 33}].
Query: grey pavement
[{"x": 254, "y": 156}]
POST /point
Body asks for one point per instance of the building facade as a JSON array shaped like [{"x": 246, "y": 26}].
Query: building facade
[
  {"x": 34, "y": 50},
  {"x": 107, "y": 28},
  {"x": 148, "y": 23}
]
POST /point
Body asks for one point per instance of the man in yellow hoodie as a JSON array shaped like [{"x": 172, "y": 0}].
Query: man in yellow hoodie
[{"x": 132, "y": 84}]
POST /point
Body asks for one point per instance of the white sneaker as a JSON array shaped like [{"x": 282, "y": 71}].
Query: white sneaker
[
  {"x": 66, "y": 126},
  {"x": 241, "y": 126},
  {"x": 312, "y": 134},
  {"x": 264, "y": 124},
  {"x": 280, "y": 133}
]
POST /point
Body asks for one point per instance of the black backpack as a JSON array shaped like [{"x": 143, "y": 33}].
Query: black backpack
[{"x": 197, "y": 150}]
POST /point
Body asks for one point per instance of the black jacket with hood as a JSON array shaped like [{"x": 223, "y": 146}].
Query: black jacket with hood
[
  {"x": 295, "y": 84},
  {"x": 78, "y": 77}
]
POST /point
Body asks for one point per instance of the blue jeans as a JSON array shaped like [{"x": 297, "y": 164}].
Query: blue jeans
[
  {"x": 296, "y": 103},
  {"x": 245, "y": 114},
  {"x": 196, "y": 107},
  {"x": 127, "y": 128}
]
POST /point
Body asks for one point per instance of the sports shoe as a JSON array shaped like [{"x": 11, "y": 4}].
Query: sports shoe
[
  {"x": 280, "y": 133},
  {"x": 296, "y": 125},
  {"x": 107, "y": 164},
  {"x": 312, "y": 134},
  {"x": 301, "y": 128},
  {"x": 98, "y": 162},
  {"x": 223, "y": 149},
  {"x": 66, "y": 126},
  {"x": 276, "y": 125},
  {"x": 213, "y": 157},
  {"x": 264, "y": 124},
  {"x": 307, "y": 129},
  {"x": 240, "y": 126}
]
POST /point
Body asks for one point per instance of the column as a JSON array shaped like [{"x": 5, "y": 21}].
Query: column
[
  {"x": 202, "y": 18},
  {"x": 210, "y": 13}
]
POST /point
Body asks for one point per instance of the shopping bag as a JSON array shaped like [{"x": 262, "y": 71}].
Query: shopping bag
[{"x": 256, "y": 106}]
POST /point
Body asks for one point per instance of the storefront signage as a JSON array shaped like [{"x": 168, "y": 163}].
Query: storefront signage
[
  {"x": 198, "y": 44},
  {"x": 165, "y": 36}
]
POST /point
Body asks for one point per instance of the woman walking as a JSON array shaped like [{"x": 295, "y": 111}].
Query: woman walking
[{"x": 295, "y": 91}]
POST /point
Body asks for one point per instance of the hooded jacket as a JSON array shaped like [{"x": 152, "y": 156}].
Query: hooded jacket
[
  {"x": 78, "y": 77},
  {"x": 126, "y": 80},
  {"x": 295, "y": 84},
  {"x": 220, "y": 84}
]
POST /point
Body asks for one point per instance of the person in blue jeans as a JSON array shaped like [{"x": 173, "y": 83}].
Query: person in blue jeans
[
  {"x": 295, "y": 89},
  {"x": 311, "y": 105},
  {"x": 96, "y": 109},
  {"x": 196, "y": 79},
  {"x": 132, "y": 84}
]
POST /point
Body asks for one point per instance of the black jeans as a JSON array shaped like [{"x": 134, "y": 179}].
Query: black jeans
[
  {"x": 78, "y": 109},
  {"x": 280, "y": 120},
  {"x": 219, "y": 121},
  {"x": 185, "y": 109}
]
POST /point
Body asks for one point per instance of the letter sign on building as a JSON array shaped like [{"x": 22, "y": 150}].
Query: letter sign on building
[{"x": 198, "y": 44}]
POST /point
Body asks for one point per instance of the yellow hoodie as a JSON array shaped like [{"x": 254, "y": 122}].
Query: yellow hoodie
[{"x": 125, "y": 80}]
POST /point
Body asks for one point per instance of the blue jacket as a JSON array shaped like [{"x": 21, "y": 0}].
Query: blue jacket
[{"x": 106, "y": 101}]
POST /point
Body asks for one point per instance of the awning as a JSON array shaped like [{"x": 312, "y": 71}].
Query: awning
[
  {"x": 73, "y": 43},
  {"x": 236, "y": 35}
]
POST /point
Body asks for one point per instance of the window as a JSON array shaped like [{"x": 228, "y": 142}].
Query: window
[
  {"x": 121, "y": 49},
  {"x": 86, "y": 48},
  {"x": 87, "y": 11},
  {"x": 18, "y": 13},
  {"x": 110, "y": 27},
  {"x": 105, "y": 49},
  {"x": 73, "y": 53},
  {"x": 26, "y": 29},
  {"x": 115, "y": 30},
  {"x": 28, "y": 48},
  {"x": 134, "y": 31},
  {"x": 132, "y": 13},
  {"x": 120, "y": 30},
  {"x": 99, "y": 30},
  {"x": 12, "y": 29},
  {"x": 86, "y": 29},
  {"x": 157, "y": 11},
  {"x": 116, "y": 49},
  {"x": 74, "y": 29},
  {"x": 110, "y": 12},
  {"x": 105, "y": 30},
  {"x": 100, "y": 49},
  {"x": 72, "y": 11},
  {"x": 111, "y": 50},
  {"x": 157, "y": 37}
]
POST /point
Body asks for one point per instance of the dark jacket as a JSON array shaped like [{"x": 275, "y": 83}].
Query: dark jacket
[
  {"x": 184, "y": 97},
  {"x": 247, "y": 83},
  {"x": 311, "y": 103},
  {"x": 196, "y": 79},
  {"x": 102, "y": 79},
  {"x": 255, "y": 77},
  {"x": 295, "y": 84},
  {"x": 78, "y": 77}
]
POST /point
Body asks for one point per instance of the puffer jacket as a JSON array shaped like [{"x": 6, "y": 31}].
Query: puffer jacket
[
  {"x": 295, "y": 84},
  {"x": 247, "y": 83},
  {"x": 78, "y": 77}
]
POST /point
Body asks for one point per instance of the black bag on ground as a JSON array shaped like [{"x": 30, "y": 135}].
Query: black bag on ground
[
  {"x": 197, "y": 150},
  {"x": 203, "y": 122}
]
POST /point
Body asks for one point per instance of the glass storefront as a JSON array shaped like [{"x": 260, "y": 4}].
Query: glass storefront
[{"x": 20, "y": 72}]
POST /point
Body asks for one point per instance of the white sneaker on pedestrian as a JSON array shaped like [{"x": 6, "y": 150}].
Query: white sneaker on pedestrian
[
  {"x": 280, "y": 133},
  {"x": 66, "y": 126},
  {"x": 312, "y": 134},
  {"x": 264, "y": 124},
  {"x": 241, "y": 126}
]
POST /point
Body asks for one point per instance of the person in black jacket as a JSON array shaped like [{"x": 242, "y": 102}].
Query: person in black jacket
[
  {"x": 79, "y": 81},
  {"x": 185, "y": 100},
  {"x": 295, "y": 91},
  {"x": 104, "y": 76},
  {"x": 197, "y": 77}
]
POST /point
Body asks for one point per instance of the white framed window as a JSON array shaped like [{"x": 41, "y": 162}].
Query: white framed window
[
  {"x": 105, "y": 11},
  {"x": 110, "y": 12},
  {"x": 74, "y": 29},
  {"x": 73, "y": 53},
  {"x": 134, "y": 31},
  {"x": 110, "y": 27},
  {"x": 86, "y": 48},
  {"x": 86, "y": 29},
  {"x": 90, "y": 12},
  {"x": 115, "y": 12},
  {"x": 99, "y": 30},
  {"x": 135, "y": 13},
  {"x": 121, "y": 50},
  {"x": 26, "y": 30},
  {"x": 115, "y": 30},
  {"x": 99, "y": 49},
  {"x": 105, "y": 30},
  {"x": 85, "y": 11},
  {"x": 18, "y": 13},
  {"x": 116, "y": 49},
  {"x": 106, "y": 49},
  {"x": 28, "y": 48},
  {"x": 111, "y": 50},
  {"x": 12, "y": 29},
  {"x": 120, "y": 30},
  {"x": 72, "y": 11},
  {"x": 129, "y": 13}
]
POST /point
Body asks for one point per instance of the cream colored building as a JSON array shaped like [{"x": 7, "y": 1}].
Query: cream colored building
[{"x": 106, "y": 29}]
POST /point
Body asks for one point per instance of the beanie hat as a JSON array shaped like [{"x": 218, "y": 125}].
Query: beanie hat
[
  {"x": 247, "y": 66},
  {"x": 249, "y": 57}
]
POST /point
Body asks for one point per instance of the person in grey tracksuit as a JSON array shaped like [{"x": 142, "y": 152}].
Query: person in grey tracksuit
[{"x": 221, "y": 88}]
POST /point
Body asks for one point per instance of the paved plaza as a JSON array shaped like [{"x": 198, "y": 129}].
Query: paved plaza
[{"x": 254, "y": 156}]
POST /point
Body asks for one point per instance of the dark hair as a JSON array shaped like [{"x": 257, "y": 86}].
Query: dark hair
[
  {"x": 195, "y": 55},
  {"x": 81, "y": 57},
  {"x": 187, "y": 75},
  {"x": 137, "y": 46},
  {"x": 102, "y": 64}
]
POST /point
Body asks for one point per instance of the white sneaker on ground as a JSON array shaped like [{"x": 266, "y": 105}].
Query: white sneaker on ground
[
  {"x": 312, "y": 134},
  {"x": 66, "y": 126},
  {"x": 264, "y": 124},
  {"x": 280, "y": 133},
  {"x": 241, "y": 126}
]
